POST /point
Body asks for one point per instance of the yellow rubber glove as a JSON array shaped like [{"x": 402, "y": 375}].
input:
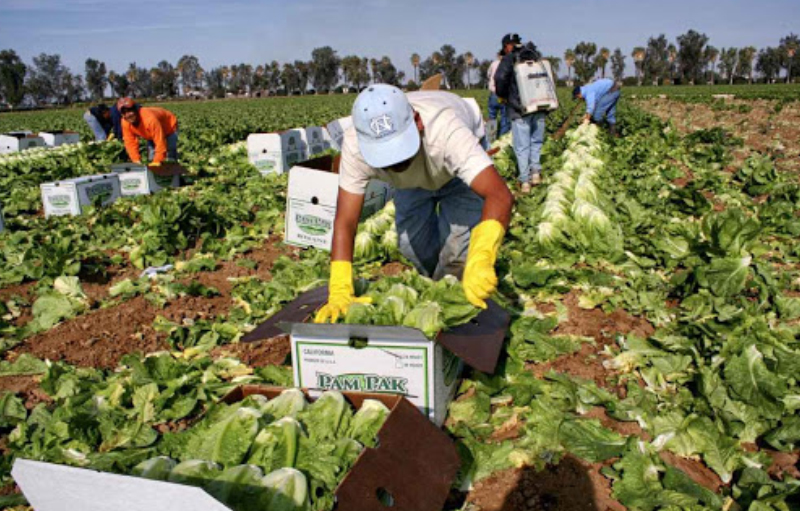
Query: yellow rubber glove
[
  {"x": 155, "y": 164},
  {"x": 110, "y": 136},
  {"x": 480, "y": 280},
  {"x": 340, "y": 293}
]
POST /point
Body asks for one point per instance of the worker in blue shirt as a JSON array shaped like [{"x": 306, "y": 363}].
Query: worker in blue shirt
[
  {"x": 601, "y": 98},
  {"x": 105, "y": 122}
]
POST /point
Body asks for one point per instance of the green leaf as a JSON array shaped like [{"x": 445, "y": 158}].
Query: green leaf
[
  {"x": 590, "y": 440},
  {"x": 752, "y": 382},
  {"x": 725, "y": 277},
  {"x": 24, "y": 365}
]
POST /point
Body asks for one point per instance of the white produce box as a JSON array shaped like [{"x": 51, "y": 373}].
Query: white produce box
[
  {"x": 315, "y": 140},
  {"x": 395, "y": 360},
  {"x": 57, "y": 138},
  {"x": 311, "y": 205},
  {"x": 336, "y": 130},
  {"x": 71, "y": 196},
  {"x": 276, "y": 152},
  {"x": 50, "y": 487},
  {"x": 19, "y": 141},
  {"x": 136, "y": 179}
]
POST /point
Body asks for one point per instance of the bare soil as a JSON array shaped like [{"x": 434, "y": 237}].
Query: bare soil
[
  {"x": 571, "y": 485},
  {"x": 587, "y": 362},
  {"x": 274, "y": 351},
  {"x": 101, "y": 337}
]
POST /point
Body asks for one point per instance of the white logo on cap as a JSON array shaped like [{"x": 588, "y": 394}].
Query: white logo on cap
[{"x": 382, "y": 125}]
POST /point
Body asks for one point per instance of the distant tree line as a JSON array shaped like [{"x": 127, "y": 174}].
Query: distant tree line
[{"x": 689, "y": 60}]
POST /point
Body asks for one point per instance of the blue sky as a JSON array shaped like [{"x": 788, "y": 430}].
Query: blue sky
[{"x": 226, "y": 32}]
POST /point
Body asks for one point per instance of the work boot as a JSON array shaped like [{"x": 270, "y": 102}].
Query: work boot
[
  {"x": 536, "y": 179},
  {"x": 612, "y": 130}
]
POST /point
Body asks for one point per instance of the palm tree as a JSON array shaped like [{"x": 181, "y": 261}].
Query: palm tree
[
  {"x": 638, "y": 59},
  {"x": 672, "y": 57},
  {"x": 415, "y": 64},
  {"x": 711, "y": 55},
  {"x": 602, "y": 60},
  {"x": 569, "y": 59},
  {"x": 469, "y": 60},
  {"x": 373, "y": 66}
]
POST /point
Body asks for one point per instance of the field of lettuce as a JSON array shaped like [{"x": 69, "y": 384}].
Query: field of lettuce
[{"x": 653, "y": 281}]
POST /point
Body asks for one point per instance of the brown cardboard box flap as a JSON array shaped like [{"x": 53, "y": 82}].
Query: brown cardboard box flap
[
  {"x": 168, "y": 169},
  {"x": 413, "y": 464},
  {"x": 478, "y": 343}
]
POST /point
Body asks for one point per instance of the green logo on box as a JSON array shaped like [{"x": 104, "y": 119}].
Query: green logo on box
[
  {"x": 130, "y": 184},
  {"x": 59, "y": 201},
  {"x": 102, "y": 191},
  {"x": 356, "y": 382},
  {"x": 313, "y": 225}
]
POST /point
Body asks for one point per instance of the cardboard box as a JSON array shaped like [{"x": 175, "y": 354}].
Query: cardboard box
[
  {"x": 336, "y": 130},
  {"x": 275, "y": 152},
  {"x": 71, "y": 196},
  {"x": 311, "y": 203},
  {"x": 14, "y": 141},
  {"x": 59, "y": 137},
  {"x": 395, "y": 360},
  {"x": 136, "y": 179},
  {"x": 414, "y": 465}
]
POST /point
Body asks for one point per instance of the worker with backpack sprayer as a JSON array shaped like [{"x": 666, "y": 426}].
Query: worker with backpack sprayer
[{"x": 525, "y": 82}]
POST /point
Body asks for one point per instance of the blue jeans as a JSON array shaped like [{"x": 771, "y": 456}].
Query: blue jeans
[
  {"x": 172, "y": 147},
  {"x": 97, "y": 128},
  {"x": 496, "y": 108},
  {"x": 607, "y": 107},
  {"x": 528, "y": 136},
  {"x": 433, "y": 226}
]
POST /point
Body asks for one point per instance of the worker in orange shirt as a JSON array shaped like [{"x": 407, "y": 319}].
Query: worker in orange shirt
[{"x": 156, "y": 125}]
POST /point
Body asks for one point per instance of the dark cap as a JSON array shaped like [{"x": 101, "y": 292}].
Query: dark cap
[
  {"x": 575, "y": 91},
  {"x": 511, "y": 39}
]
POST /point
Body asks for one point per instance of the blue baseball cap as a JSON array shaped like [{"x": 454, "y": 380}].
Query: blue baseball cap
[{"x": 384, "y": 122}]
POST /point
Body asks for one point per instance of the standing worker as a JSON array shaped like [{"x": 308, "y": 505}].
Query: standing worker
[
  {"x": 452, "y": 207},
  {"x": 527, "y": 129},
  {"x": 156, "y": 125},
  {"x": 601, "y": 98},
  {"x": 496, "y": 108},
  {"x": 105, "y": 123}
]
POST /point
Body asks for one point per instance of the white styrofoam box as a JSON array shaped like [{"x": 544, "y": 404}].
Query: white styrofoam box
[
  {"x": 311, "y": 206},
  {"x": 395, "y": 360},
  {"x": 336, "y": 130},
  {"x": 19, "y": 141},
  {"x": 275, "y": 152},
  {"x": 328, "y": 139},
  {"x": 50, "y": 487},
  {"x": 136, "y": 179},
  {"x": 57, "y": 138},
  {"x": 315, "y": 141},
  {"x": 70, "y": 196}
]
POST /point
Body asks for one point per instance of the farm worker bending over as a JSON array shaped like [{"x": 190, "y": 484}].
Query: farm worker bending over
[
  {"x": 601, "y": 98},
  {"x": 156, "y": 125},
  {"x": 105, "y": 123},
  {"x": 452, "y": 207}
]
